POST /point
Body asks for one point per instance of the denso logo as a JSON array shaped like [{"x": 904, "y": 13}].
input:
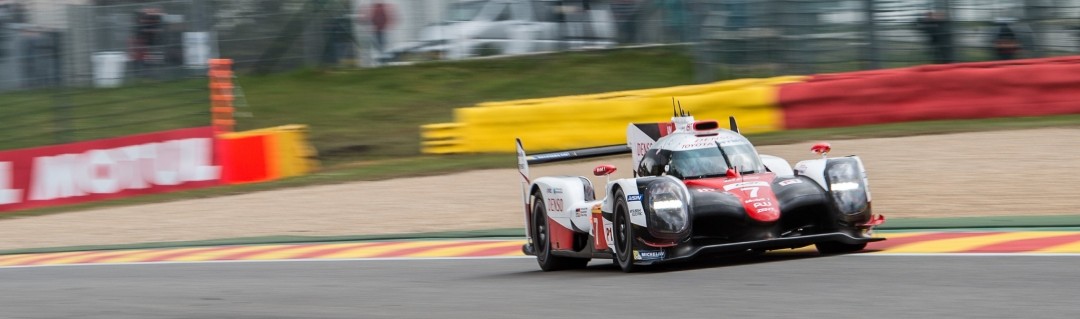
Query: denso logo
[{"x": 108, "y": 171}]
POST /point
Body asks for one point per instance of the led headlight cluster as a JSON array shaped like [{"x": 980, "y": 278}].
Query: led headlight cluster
[
  {"x": 667, "y": 203},
  {"x": 846, "y": 185}
]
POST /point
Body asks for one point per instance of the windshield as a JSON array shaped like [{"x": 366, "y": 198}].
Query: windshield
[
  {"x": 465, "y": 11},
  {"x": 712, "y": 162}
]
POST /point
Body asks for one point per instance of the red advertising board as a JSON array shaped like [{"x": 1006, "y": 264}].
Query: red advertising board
[{"x": 108, "y": 168}]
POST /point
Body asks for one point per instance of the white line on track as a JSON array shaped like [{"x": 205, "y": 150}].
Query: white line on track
[{"x": 509, "y": 257}]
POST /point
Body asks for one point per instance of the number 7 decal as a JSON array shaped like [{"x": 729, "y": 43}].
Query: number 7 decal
[{"x": 752, "y": 190}]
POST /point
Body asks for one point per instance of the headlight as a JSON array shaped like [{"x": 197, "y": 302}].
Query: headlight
[
  {"x": 667, "y": 202},
  {"x": 846, "y": 185}
]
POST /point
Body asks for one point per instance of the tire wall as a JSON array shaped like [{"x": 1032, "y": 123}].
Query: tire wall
[{"x": 1032, "y": 87}]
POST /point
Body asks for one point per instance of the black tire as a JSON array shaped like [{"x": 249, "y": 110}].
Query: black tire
[
  {"x": 835, "y": 247},
  {"x": 542, "y": 241},
  {"x": 623, "y": 235}
]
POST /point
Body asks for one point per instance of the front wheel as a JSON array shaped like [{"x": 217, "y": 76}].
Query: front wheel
[
  {"x": 835, "y": 247},
  {"x": 542, "y": 241},
  {"x": 624, "y": 235}
]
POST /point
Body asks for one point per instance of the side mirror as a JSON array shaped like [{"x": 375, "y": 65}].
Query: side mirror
[
  {"x": 604, "y": 170},
  {"x": 822, "y": 148}
]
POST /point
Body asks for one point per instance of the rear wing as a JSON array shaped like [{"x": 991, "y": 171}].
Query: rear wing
[{"x": 524, "y": 160}]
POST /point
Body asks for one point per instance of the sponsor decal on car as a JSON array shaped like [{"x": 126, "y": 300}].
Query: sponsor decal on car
[
  {"x": 552, "y": 155},
  {"x": 789, "y": 182},
  {"x": 581, "y": 212},
  {"x": 636, "y": 212},
  {"x": 729, "y": 187},
  {"x": 646, "y": 255},
  {"x": 705, "y": 190},
  {"x": 554, "y": 190},
  {"x": 633, "y": 198}
]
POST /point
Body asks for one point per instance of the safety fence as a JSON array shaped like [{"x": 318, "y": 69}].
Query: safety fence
[
  {"x": 1030, "y": 87},
  {"x": 64, "y": 115}
]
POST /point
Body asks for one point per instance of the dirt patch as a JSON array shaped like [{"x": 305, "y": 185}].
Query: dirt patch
[{"x": 969, "y": 174}]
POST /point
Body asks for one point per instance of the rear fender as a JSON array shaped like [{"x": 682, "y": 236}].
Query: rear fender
[{"x": 568, "y": 200}]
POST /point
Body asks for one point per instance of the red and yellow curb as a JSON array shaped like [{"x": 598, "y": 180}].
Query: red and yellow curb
[{"x": 911, "y": 242}]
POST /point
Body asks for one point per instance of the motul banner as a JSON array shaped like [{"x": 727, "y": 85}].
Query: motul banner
[{"x": 108, "y": 168}]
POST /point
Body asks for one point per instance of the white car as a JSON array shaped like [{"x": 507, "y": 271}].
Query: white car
[{"x": 497, "y": 27}]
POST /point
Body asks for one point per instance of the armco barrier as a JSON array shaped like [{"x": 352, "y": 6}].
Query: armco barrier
[
  {"x": 1030, "y": 87},
  {"x": 600, "y": 119},
  {"x": 265, "y": 154}
]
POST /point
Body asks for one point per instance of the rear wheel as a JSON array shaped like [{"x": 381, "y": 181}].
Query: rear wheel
[
  {"x": 542, "y": 241},
  {"x": 835, "y": 247},
  {"x": 624, "y": 235}
]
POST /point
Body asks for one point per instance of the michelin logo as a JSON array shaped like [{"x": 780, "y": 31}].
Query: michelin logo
[
  {"x": 648, "y": 255},
  {"x": 633, "y": 198}
]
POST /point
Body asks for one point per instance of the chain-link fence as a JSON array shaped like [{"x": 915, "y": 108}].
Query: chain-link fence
[
  {"x": 74, "y": 59},
  {"x": 760, "y": 38}
]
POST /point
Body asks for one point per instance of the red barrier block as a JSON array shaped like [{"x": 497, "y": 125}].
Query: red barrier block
[
  {"x": 244, "y": 159},
  {"x": 962, "y": 91}
]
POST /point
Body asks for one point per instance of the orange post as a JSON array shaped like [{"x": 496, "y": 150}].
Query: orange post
[{"x": 221, "y": 95}]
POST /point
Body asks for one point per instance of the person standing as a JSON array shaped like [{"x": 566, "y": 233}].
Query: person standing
[
  {"x": 381, "y": 20},
  {"x": 938, "y": 30},
  {"x": 1006, "y": 44}
]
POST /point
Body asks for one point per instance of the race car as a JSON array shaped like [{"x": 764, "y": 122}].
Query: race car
[{"x": 697, "y": 189}]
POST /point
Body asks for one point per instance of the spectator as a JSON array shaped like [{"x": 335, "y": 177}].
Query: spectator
[
  {"x": 1006, "y": 44},
  {"x": 937, "y": 28},
  {"x": 149, "y": 29},
  {"x": 338, "y": 35},
  {"x": 381, "y": 18},
  {"x": 625, "y": 12}
]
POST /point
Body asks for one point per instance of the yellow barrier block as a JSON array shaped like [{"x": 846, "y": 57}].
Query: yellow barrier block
[
  {"x": 289, "y": 153},
  {"x": 600, "y": 119},
  {"x": 295, "y": 155}
]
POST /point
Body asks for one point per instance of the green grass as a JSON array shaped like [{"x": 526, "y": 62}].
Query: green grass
[
  {"x": 376, "y": 113},
  {"x": 354, "y": 114}
]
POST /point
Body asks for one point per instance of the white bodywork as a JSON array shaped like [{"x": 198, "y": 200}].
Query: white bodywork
[
  {"x": 777, "y": 165},
  {"x": 565, "y": 201}
]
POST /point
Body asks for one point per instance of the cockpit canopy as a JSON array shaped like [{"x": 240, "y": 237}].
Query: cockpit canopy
[{"x": 701, "y": 162}]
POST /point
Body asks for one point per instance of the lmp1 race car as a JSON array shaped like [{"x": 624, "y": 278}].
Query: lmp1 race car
[{"x": 697, "y": 189}]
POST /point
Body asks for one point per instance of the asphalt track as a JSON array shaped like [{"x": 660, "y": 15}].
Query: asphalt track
[{"x": 796, "y": 285}]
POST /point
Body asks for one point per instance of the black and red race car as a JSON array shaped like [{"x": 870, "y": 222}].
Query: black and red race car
[{"x": 697, "y": 189}]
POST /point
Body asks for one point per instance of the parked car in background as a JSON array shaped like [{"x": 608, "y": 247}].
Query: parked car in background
[{"x": 504, "y": 27}]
